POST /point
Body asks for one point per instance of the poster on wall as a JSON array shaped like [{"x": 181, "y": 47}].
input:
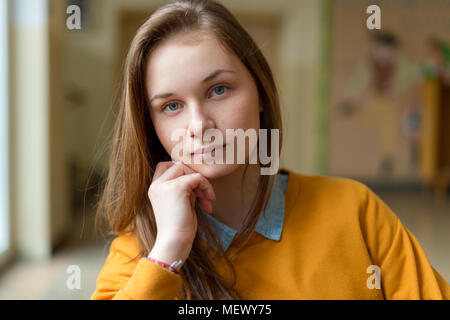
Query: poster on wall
[{"x": 377, "y": 86}]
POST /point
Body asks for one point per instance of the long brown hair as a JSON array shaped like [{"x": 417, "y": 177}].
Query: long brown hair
[{"x": 136, "y": 150}]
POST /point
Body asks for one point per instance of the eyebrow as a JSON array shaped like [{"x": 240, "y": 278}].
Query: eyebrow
[{"x": 210, "y": 77}]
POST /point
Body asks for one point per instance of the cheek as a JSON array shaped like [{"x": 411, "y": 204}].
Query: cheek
[
  {"x": 164, "y": 133},
  {"x": 241, "y": 112}
]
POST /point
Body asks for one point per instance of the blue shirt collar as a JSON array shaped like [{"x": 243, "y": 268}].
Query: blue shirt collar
[{"x": 269, "y": 225}]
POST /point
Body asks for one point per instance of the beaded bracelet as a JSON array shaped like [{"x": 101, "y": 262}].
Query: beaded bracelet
[{"x": 171, "y": 267}]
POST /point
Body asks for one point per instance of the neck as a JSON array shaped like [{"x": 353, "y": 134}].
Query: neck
[{"x": 234, "y": 198}]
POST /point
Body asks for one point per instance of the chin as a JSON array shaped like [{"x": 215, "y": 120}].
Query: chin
[{"x": 214, "y": 171}]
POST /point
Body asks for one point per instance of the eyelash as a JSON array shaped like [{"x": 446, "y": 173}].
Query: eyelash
[{"x": 164, "y": 107}]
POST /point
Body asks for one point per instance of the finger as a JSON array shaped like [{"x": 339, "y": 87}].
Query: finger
[
  {"x": 202, "y": 195},
  {"x": 196, "y": 180},
  {"x": 205, "y": 202},
  {"x": 161, "y": 168},
  {"x": 206, "y": 205},
  {"x": 175, "y": 170},
  {"x": 179, "y": 169}
]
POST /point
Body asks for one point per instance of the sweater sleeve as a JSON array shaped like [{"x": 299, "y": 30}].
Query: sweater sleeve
[
  {"x": 405, "y": 271},
  {"x": 121, "y": 278}
]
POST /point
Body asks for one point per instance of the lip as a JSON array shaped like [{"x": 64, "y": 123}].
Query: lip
[{"x": 208, "y": 149}]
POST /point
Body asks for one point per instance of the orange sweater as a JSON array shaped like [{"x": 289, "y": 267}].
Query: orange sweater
[{"x": 337, "y": 235}]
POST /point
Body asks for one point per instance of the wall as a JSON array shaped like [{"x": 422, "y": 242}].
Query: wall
[
  {"x": 358, "y": 141},
  {"x": 39, "y": 212}
]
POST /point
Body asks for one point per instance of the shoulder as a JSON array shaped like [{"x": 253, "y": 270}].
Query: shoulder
[
  {"x": 336, "y": 199},
  {"x": 341, "y": 207},
  {"x": 327, "y": 189},
  {"x": 126, "y": 244}
]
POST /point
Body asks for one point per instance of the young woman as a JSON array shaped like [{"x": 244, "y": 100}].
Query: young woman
[{"x": 194, "y": 230}]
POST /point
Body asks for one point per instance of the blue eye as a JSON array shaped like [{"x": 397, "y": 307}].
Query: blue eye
[
  {"x": 170, "y": 105},
  {"x": 221, "y": 90}
]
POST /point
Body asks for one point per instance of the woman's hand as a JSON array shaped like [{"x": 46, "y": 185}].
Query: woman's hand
[{"x": 172, "y": 194}]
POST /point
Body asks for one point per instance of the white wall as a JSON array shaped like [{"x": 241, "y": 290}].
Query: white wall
[
  {"x": 39, "y": 194},
  {"x": 31, "y": 113}
]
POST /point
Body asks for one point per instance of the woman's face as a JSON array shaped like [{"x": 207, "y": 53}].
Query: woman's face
[{"x": 194, "y": 85}]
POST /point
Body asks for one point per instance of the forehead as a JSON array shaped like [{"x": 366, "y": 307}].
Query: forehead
[{"x": 188, "y": 59}]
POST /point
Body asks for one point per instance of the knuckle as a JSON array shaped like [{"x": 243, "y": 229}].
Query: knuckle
[{"x": 152, "y": 189}]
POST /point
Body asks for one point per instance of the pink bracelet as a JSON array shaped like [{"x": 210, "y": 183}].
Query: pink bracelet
[{"x": 170, "y": 267}]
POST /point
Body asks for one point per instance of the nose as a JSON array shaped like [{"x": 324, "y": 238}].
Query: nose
[{"x": 200, "y": 121}]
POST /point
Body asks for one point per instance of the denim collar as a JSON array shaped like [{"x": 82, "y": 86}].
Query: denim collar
[{"x": 269, "y": 225}]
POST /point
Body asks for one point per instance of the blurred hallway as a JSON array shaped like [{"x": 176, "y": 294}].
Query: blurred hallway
[
  {"x": 354, "y": 103},
  {"x": 48, "y": 279},
  {"x": 427, "y": 220}
]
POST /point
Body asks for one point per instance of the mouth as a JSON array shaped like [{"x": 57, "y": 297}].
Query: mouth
[{"x": 207, "y": 152}]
